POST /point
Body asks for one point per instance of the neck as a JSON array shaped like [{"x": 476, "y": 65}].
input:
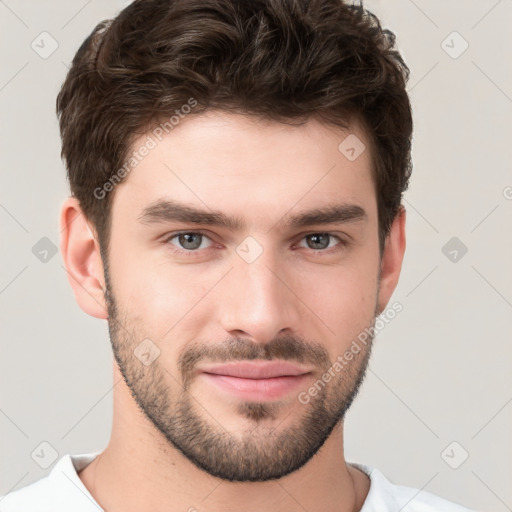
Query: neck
[{"x": 140, "y": 471}]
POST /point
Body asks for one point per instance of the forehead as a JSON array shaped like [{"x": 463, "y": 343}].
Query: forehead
[{"x": 250, "y": 167}]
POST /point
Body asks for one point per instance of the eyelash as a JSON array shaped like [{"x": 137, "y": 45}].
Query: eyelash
[{"x": 192, "y": 253}]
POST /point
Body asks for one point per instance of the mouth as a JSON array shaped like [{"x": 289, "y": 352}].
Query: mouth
[{"x": 256, "y": 380}]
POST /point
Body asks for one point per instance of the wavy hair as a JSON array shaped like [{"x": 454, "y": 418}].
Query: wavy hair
[{"x": 283, "y": 60}]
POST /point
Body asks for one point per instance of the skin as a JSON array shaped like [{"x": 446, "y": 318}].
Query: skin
[{"x": 234, "y": 164}]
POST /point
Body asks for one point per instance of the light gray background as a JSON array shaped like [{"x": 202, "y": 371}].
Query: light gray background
[{"x": 441, "y": 370}]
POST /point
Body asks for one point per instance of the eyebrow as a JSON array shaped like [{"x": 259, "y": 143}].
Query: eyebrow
[{"x": 166, "y": 210}]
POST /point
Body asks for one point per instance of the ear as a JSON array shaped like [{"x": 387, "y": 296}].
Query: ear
[
  {"x": 81, "y": 254},
  {"x": 391, "y": 261}
]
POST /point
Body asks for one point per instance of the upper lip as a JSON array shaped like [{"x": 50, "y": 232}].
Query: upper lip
[{"x": 256, "y": 370}]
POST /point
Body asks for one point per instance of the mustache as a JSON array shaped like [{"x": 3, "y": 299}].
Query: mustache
[{"x": 239, "y": 349}]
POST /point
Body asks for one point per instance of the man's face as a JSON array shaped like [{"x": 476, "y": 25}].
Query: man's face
[{"x": 248, "y": 306}]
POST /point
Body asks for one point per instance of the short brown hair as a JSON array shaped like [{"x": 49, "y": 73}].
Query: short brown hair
[{"x": 283, "y": 60}]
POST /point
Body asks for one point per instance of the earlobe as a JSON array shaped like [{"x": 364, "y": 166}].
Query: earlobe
[
  {"x": 392, "y": 258},
  {"x": 82, "y": 259}
]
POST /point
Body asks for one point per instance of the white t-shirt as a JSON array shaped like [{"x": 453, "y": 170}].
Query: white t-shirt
[{"x": 63, "y": 491}]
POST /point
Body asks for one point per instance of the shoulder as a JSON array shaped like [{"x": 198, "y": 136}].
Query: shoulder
[
  {"x": 56, "y": 491},
  {"x": 384, "y": 496}
]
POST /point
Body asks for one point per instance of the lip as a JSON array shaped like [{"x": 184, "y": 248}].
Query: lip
[
  {"x": 256, "y": 381},
  {"x": 257, "y": 369}
]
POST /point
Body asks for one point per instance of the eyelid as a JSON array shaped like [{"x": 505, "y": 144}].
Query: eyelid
[
  {"x": 170, "y": 236},
  {"x": 342, "y": 242}
]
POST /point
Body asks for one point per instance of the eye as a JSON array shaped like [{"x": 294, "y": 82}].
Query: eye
[
  {"x": 188, "y": 241},
  {"x": 321, "y": 241}
]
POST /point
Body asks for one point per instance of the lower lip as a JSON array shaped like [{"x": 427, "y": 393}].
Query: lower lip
[{"x": 257, "y": 389}]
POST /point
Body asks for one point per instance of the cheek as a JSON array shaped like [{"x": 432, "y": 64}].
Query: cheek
[
  {"x": 163, "y": 299},
  {"x": 345, "y": 301}
]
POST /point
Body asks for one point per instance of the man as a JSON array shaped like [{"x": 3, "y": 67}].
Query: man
[{"x": 236, "y": 170}]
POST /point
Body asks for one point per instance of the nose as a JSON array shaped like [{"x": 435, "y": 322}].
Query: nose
[{"x": 258, "y": 300}]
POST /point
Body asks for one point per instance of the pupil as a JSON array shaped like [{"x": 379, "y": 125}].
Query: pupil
[
  {"x": 185, "y": 240},
  {"x": 321, "y": 239}
]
